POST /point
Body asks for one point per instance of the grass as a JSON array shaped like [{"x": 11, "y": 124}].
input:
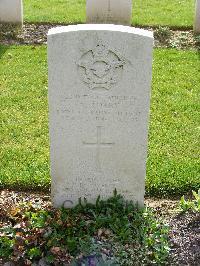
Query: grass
[
  {"x": 173, "y": 166},
  {"x": 174, "y": 161},
  {"x": 68, "y": 11},
  {"x": 145, "y": 12},
  {"x": 106, "y": 233},
  {"x": 24, "y": 130},
  {"x": 163, "y": 13}
]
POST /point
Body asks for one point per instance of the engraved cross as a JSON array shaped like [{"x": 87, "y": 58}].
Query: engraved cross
[{"x": 98, "y": 145}]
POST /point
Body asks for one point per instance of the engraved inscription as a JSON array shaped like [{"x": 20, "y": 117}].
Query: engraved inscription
[
  {"x": 100, "y": 67},
  {"x": 98, "y": 145},
  {"x": 100, "y": 108}
]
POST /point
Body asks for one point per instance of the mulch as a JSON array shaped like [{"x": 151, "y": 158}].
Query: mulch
[
  {"x": 184, "y": 228},
  {"x": 36, "y": 34},
  {"x": 185, "y": 239},
  {"x": 184, "y": 232}
]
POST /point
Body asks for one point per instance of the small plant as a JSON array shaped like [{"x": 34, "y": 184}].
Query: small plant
[
  {"x": 111, "y": 232},
  {"x": 197, "y": 39},
  {"x": 163, "y": 34},
  {"x": 194, "y": 205},
  {"x": 9, "y": 31},
  {"x": 34, "y": 253},
  {"x": 6, "y": 247}
]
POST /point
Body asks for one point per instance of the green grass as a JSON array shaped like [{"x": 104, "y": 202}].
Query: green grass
[
  {"x": 145, "y": 12},
  {"x": 163, "y": 12},
  {"x": 174, "y": 158},
  {"x": 174, "y": 162},
  {"x": 67, "y": 11},
  {"x": 24, "y": 131}
]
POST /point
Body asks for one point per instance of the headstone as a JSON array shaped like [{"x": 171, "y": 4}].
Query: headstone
[
  {"x": 11, "y": 11},
  {"x": 109, "y": 11},
  {"x": 99, "y": 94},
  {"x": 197, "y": 17}
]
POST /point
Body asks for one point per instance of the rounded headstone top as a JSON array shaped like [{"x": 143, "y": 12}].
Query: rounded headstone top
[{"x": 100, "y": 27}]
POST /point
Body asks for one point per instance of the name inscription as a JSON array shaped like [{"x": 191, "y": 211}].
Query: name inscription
[{"x": 86, "y": 107}]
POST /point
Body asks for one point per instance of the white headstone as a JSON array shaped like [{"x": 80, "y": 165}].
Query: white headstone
[
  {"x": 99, "y": 94},
  {"x": 197, "y": 17},
  {"x": 109, "y": 11},
  {"x": 11, "y": 11}
]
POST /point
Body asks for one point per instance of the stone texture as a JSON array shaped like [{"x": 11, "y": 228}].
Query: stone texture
[
  {"x": 99, "y": 94},
  {"x": 197, "y": 17},
  {"x": 109, "y": 11},
  {"x": 11, "y": 11}
]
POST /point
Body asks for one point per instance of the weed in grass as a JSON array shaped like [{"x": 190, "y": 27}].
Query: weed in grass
[{"x": 111, "y": 232}]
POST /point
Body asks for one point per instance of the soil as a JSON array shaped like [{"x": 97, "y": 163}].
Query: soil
[
  {"x": 36, "y": 34},
  {"x": 184, "y": 232},
  {"x": 184, "y": 228}
]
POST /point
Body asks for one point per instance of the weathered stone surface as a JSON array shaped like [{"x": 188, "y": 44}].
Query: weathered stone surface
[
  {"x": 109, "y": 11},
  {"x": 99, "y": 94},
  {"x": 197, "y": 17}
]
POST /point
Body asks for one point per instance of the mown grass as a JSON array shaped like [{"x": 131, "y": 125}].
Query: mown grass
[
  {"x": 174, "y": 163},
  {"x": 24, "y": 130},
  {"x": 145, "y": 12},
  {"x": 174, "y": 139}
]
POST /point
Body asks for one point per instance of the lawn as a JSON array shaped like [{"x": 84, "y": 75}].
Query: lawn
[
  {"x": 173, "y": 164},
  {"x": 145, "y": 12}
]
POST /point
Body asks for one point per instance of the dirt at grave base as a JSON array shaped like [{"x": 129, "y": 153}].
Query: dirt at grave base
[
  {"x": 184, "y": 228},
  {"x": 36, "y": 34}
]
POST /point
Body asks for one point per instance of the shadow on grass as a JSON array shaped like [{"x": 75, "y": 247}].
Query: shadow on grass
[{"x": 3, "y": 49}]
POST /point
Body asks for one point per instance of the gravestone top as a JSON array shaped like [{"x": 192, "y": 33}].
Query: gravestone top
[
  {"x": 101, "y": 27},
  {"x": 109, "y": 11},
  {"x": 99, "y": 97},
  {"x": 11, "y": 11}
]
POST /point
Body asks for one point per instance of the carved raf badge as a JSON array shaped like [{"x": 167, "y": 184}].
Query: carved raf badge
[{"x": 100, "y": 67}]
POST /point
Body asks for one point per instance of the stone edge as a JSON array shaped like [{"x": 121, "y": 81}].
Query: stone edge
[{"x": 100, "y": 27}]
